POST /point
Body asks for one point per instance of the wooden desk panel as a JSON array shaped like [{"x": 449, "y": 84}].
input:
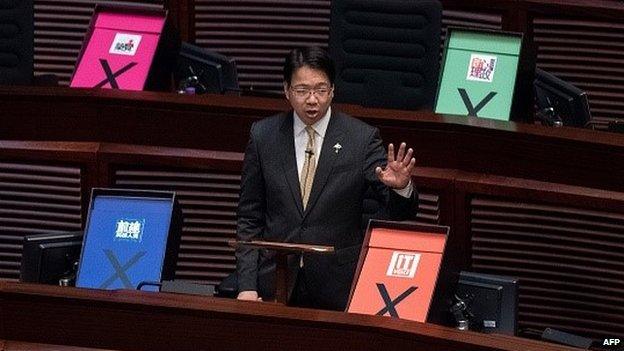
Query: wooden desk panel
[
  {"x": 12, "y": 345},
  {"x": 130, "y": 320},
  {"x": 215, "y": 122}
]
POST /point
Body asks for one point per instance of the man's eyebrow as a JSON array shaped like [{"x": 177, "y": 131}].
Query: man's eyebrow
[{"x": 320, "y": 85}]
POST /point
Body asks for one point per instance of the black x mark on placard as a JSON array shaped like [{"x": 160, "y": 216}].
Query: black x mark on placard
[
  {"x": 472, "y": 110},
  {"x": 120, "y": 271},
  {"x": 391, "y": 304},
  {"x": 110, "y": 76}
]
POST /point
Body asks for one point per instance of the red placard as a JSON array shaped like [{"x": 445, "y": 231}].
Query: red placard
[{"x": 398, "y": 272}]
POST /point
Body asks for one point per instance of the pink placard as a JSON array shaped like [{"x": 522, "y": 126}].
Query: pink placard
[
  {"x": 91, "y": 70},
  {"x": 130, "y": 21}
]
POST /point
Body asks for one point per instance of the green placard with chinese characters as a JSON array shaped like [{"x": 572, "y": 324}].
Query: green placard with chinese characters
[{"x": 479, "y": 74}]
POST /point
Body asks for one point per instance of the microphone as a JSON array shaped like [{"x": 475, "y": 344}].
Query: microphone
[{"x": 309, "y": 152}]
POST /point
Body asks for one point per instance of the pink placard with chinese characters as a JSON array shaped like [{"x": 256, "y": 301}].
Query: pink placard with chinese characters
[{"x": 120, "y": 51}]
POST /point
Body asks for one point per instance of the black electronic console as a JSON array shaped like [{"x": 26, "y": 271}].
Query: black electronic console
[
  {"x": 564, "y": 338},
  {"x": 616, "y": 126},
  {"x": 51, "y": 258},
  {"x": 560, "y": 103},
  {"x": 486, "y": 303},
  {"x": 205, "y": 71},
  {"x": 181, "y": 287}
]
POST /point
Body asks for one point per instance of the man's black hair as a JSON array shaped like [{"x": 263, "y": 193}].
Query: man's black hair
[{"x": 311, "y": 56}]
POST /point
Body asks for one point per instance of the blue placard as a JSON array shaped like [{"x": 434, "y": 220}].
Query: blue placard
[{"x": 125, "y": 242}]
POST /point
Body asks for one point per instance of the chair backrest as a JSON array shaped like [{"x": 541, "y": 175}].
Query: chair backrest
[
  {"x": 16, "y": 34},
  {"x": 387, "y": 52}
]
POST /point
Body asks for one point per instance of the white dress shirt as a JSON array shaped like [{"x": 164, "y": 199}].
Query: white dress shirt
[
  {"x": 301, "y": 138},
  {"x": 320, "y": 127}
]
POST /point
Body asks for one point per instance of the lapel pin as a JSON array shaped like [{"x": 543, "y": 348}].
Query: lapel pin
[{"x": 337, "y": 147}]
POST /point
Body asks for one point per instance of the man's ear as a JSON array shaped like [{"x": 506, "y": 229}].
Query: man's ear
[{"x": 286, "y": 91}]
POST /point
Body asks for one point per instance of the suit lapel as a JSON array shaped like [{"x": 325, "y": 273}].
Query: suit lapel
[
  {"x": 289, "y": 161},
  {"x": 333, "y": 135}
]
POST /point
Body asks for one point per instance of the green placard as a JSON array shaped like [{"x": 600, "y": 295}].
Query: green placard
[{"x": 479, "y": 74}]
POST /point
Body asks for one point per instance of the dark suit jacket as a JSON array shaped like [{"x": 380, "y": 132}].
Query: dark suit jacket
[{"x": 270, "y": 204}]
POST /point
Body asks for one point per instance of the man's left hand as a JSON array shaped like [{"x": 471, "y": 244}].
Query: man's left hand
[{"x": 397, "y": 172}]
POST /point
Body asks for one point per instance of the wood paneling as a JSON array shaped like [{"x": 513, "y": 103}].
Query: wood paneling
[
  {"x": 428, "y": 207},
  {"x": 470, "y": 19},
  {"x": 259, "y": 33},
  {"x": 35, "y": 198},
  {"x": 569, "y": 261},
  {"x": 588, "y": 53}
]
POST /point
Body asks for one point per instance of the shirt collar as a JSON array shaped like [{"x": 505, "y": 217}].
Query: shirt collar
[{"x": 320, "y": 127}]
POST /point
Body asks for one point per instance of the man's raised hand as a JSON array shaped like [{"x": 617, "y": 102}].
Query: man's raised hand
[{"x": 397, "y": 172}]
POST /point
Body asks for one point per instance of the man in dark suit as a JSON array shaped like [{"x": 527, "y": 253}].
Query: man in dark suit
[{"x": 304, "y": 180}]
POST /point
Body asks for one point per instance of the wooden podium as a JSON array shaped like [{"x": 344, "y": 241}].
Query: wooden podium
[
  {"x": 281, "y": 267},
  {"x": 139, "y": 320}
]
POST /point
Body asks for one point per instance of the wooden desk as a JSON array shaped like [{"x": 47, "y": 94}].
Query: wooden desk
[
  {"x": 12, "y": 345},
  {"x": 131, "y": 320},
  {"x": 221, "y": 123}
]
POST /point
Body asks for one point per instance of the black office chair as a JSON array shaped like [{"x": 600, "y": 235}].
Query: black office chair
[
  {"x": 17, "y": 50},
  {"x": 387, "y": 52}
]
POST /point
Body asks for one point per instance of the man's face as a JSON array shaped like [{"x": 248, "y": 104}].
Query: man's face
[{"x": 310, "y": 93}]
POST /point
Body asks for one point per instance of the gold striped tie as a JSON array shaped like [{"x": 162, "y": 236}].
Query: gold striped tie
[{"x": 309, "y": 167}]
